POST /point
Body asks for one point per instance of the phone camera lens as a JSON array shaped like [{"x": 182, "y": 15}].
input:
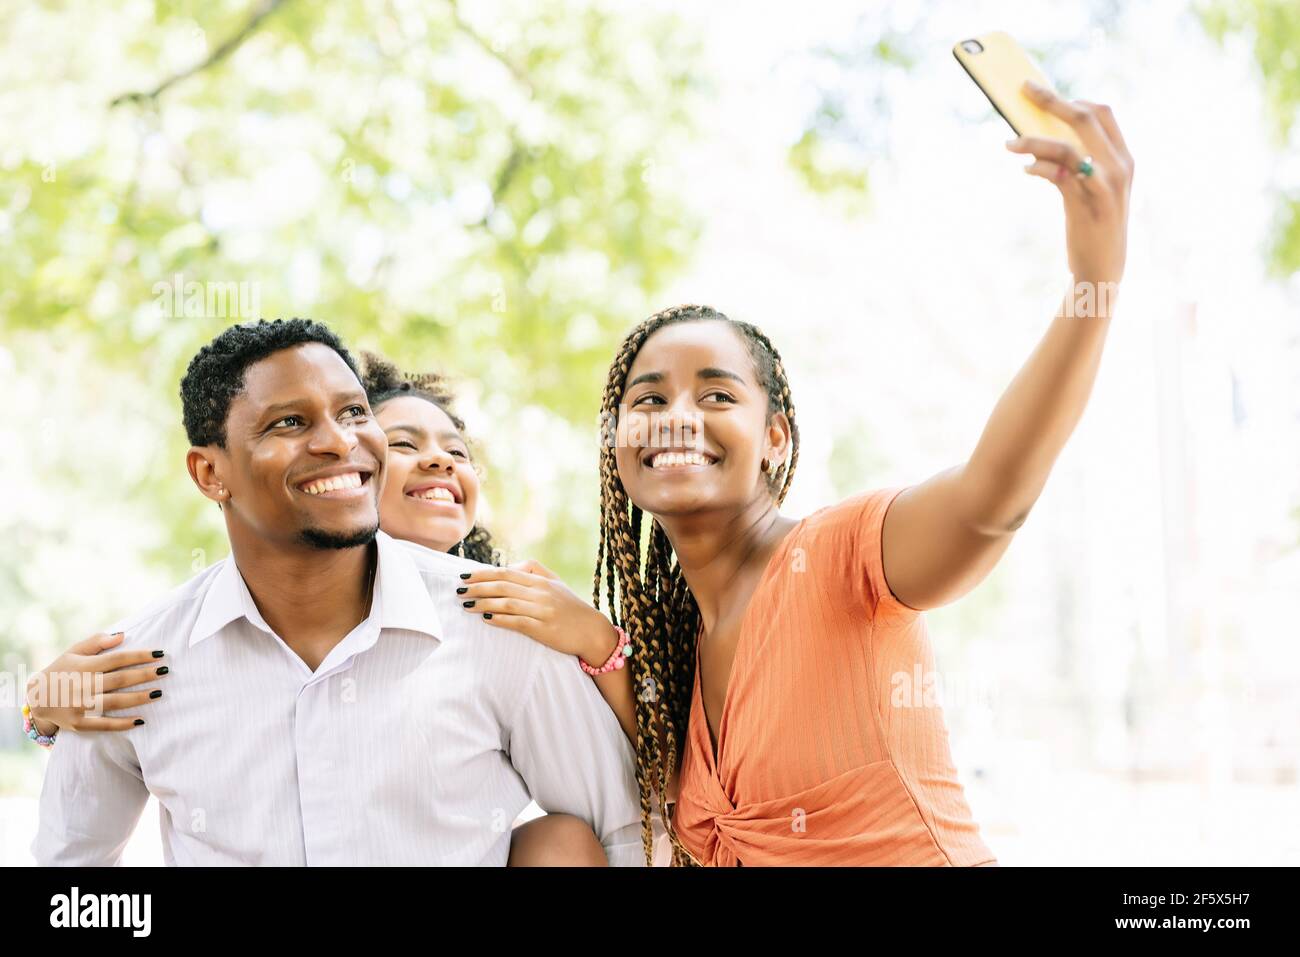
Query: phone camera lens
[{"x": 972, "y": 46}]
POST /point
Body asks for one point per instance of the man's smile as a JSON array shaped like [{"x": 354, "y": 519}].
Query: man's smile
[{"x": 343, "y": 482}]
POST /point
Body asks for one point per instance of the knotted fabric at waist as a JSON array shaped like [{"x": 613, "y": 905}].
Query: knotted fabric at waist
[{"x": 861, "y": 817}]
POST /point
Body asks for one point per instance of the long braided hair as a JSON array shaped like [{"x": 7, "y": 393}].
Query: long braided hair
[
  {"x": 383, "y": 381},
  {"x": 646, "y": 592}
]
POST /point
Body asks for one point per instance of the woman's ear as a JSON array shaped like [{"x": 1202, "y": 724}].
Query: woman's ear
[{"x": 778, "y": 439}]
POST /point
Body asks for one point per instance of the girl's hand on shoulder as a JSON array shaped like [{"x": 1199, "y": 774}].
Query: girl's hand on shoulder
[
  {"x": 77, "y": 688},
  {"x": 529, "y": 598}
]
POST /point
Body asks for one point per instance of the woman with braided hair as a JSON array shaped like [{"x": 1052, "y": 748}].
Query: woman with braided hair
[
  {"x": 764, "y": 646},
  {"x": 762, "y": 690}
]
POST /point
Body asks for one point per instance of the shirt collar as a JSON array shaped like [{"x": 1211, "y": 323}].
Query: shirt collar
[
  {"x": 401, "y": 592},
  {"x": 401, "y": 597}
]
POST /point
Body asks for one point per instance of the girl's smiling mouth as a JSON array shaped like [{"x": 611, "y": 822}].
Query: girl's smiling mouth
[{"x": 436, "y": 493}]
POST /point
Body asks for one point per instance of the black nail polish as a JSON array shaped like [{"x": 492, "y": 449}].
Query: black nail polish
[
  {"x": 139, "y": 721},
  {"x": 157, "y": 654},
  {"x": 468, "y": 604},
  {"x": 462, "y": 590},
  {"x": 487, "y": 614},
  {"x": 162, "y": 671},
  {"x": 466, "y": 575},
  {"x": 155, "y": 694}
]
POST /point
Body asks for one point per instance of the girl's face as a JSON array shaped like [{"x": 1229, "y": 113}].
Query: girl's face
[
  {"x": 431, "y": 493},
  {"x": 694, "y": 424}
]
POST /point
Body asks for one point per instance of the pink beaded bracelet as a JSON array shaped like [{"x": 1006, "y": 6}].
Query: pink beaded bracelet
[
  {"x": 29, "y": 729},
  {"x": 621, "y": 651}
]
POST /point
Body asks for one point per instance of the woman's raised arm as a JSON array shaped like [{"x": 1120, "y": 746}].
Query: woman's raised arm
[{"x": 943, "y": 536}]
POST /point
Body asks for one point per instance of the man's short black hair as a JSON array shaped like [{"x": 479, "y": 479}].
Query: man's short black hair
[{"x": 216, "y": 374}]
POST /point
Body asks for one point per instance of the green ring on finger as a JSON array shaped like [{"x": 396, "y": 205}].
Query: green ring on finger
[{"x": 1085, "y": 166}]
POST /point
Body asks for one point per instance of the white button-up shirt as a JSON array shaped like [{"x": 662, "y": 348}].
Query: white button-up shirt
[{"x": 418, "y": 740}]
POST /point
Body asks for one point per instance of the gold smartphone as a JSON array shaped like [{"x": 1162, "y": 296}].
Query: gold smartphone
[{"x": 999, "y": 67}]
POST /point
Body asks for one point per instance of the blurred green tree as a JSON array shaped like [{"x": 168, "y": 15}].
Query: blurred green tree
[
  {"x": 1273, "y": 29},
  {"x": 486, "y": 191}
]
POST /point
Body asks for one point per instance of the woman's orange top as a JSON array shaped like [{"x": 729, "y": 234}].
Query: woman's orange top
[{"x": 828, "y": 750}]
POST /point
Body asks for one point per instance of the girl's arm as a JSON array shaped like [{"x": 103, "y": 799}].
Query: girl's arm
[
  {"x": 75, "y": 689},
  {"x": 616, "y": 687},
  {"x": 943, "y": 536}
]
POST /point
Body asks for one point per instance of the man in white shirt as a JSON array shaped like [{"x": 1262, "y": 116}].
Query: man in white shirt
[{"x": 327, "y": 703}]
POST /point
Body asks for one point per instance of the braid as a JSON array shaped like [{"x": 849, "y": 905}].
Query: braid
[{"x": 651, "y": 597}]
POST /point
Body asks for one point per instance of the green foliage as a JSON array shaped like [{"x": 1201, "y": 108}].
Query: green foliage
[
  {"x": 854, "y": 459},
  {"x": 1274, "y": 30},
  {"x": 847, "y": 127},
  {"x": 485, "y": 191},
  {"x": 1285, "y": 253},
  {"x": 1273, "y": 27},
  {"x": 828, "y": 171}
]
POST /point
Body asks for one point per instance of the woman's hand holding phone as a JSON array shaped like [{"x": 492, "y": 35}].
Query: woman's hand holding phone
[{"x": 1096, "y": 205}]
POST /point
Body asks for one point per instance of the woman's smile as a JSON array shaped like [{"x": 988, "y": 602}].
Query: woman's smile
[{"x": 674, "y": 461}]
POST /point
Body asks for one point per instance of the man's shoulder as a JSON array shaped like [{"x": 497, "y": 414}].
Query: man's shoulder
[
  {"x": 441, "y": 573},
  {"x": 167, "y": 610},
  {"x": 435, "y": 564}
]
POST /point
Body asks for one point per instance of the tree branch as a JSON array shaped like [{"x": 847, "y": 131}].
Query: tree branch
[
  {"x": 487, "y": 47},
  {"x": 263, "y": 10},
  {"x": 504, "y": 177}
]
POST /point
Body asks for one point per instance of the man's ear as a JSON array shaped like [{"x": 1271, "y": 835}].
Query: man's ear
[{"x": 206, "y": 463}]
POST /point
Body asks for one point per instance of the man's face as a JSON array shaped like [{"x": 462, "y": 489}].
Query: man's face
[{"x": 304, "y": 457}]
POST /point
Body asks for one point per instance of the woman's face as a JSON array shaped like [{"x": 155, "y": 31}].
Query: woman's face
[
  {"x": 694, "y": 424},
  {"x": 431, "y": 493}
]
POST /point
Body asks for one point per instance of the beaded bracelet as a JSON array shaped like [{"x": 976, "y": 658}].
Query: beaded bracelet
[
  {"x": 29, "y": 729},
  {"x": 616, "y": 658}
]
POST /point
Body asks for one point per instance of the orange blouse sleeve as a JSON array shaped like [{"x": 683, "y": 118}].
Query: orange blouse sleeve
[
  {"x": 852, "y": 530},
  {"x": 886, "y": 604}
]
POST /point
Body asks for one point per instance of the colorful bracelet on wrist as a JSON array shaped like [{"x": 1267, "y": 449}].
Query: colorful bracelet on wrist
[
  {"x": 29, "y": 729},
  {"x": 622, "y": 650}
]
